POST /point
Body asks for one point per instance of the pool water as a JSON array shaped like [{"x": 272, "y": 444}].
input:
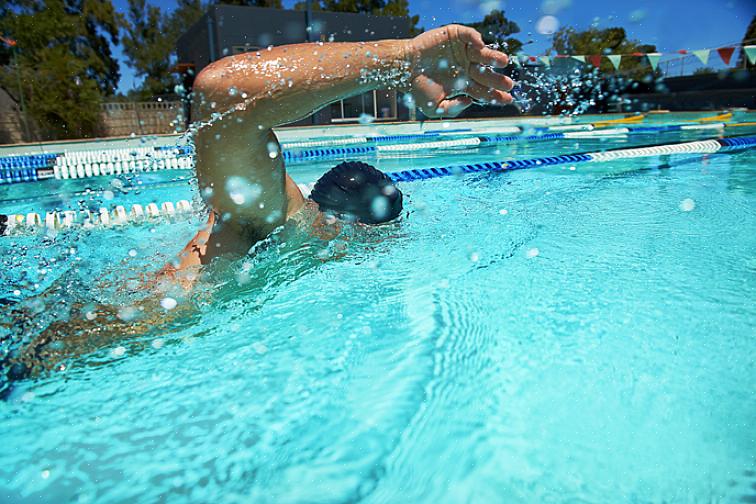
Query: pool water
[{"x": 544, "y": 335}]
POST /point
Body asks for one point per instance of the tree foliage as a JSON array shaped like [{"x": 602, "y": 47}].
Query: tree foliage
[
  {"x": 595, "y": 41},
  {"x": 496, "y": 28},
  {"x": 64, "y": 58},
  {"x": 149, "y": 42}
]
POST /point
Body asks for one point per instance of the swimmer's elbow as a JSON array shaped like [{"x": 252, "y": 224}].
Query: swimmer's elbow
[{"x": 216, "y": 90}]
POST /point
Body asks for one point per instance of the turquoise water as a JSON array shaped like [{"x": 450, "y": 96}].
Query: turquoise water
[{"x": 545, "y": 335}]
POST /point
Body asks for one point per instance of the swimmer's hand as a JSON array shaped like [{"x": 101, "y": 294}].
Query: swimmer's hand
[{"x": 452, "y": 69}]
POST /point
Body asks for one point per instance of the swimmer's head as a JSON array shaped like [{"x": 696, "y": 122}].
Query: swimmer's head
[{"x": 358, "y": 191}]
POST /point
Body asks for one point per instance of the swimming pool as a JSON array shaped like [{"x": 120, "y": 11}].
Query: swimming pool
[{"x": 578, "y": 332}]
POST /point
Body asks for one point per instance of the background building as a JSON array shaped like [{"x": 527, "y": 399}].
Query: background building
[{"x": 229, "y": 29}]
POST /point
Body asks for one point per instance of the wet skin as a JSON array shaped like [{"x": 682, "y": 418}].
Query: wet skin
[{"x": 240, "y": 99}]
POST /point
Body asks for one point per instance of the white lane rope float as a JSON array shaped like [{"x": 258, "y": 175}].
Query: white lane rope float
[
  {"x": 33, "y": 222},
  {"x": 114, "y": 162}
]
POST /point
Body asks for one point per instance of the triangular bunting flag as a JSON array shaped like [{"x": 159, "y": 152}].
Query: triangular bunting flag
[
  {"x": 547, "y": 62},
  {"x": 726, "y": 53},
  {"x": 581, "y": 59},
  {"x": 595, "y": 60},
  {"x": 653, "y": 59},
  {"x": 702, "y": 55},
  {"x": 616, "y": 59},
  {"x": 750, "y": 51}
]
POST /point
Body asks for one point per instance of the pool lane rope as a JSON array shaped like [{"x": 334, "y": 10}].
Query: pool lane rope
[
  {"x": 335, "y": 152},
  {"x": 700, "y": 147},
  {"x": 113, "y": 162},
  {"x": 33, "y": 222}
]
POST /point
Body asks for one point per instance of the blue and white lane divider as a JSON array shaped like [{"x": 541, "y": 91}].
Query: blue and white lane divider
[
  {"x": 86, "y": 219},
  {"x": 310, "y": 154},
  {"x": 27, "y": 161},
  {"x": 31, "y": 222},
  {"x": 701, "y": 147},
  {"x": 118, "y": 161}
]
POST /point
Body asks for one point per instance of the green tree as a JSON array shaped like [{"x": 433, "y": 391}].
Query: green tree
[
  {"x": 594, "y": 41},
  {"x": 149, "y": 43},
  {"x": 400, "y": 8},
  {"x": 749, "y": 38},
  {"x": 65, "y": 61},
  {"x": 496, "y": 28}
]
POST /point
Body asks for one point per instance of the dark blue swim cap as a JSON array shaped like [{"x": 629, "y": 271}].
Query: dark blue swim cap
[{"x": 358, "y": 190}]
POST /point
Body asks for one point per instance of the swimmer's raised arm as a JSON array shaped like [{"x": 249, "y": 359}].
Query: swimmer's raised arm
[{"x": 239, "y": 164}]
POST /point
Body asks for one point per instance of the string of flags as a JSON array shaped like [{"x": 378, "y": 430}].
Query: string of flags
[{"x": 725, "y": 54}]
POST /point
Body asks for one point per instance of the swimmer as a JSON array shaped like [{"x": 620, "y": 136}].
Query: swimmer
[
  {"x": 238, "y": 101},
  {"x": 241, "y": 98}
]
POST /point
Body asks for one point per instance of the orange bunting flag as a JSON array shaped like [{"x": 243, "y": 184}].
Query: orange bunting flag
[
  {"x": 7, "y": 41},
  {"x": 595, "y": 60}
]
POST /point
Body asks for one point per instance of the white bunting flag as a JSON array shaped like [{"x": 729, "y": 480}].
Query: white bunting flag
[
  {"x": 581, "y": 59},
  {"x": 750, "y": 51},
  {"x": 545, "y": 60},
  {"x": 653, "y": 59},
  {"x": 703, "y": 55},
  {"x": 616, "y": 59}
]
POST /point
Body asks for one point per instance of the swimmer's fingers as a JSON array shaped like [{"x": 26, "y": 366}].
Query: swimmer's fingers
[
  {"x": 478, "y": 52},
  {"x": 487, "y": 77},
  {"x": 452, "y": 107},
  {"x": 486, "y": 94}
]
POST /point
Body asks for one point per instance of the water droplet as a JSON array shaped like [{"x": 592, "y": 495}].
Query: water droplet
[
  {"x": 534, "y": 252},
  {"x": 272, "y": 150},
  {"x": 118, "y": 351},
  {"x": 168, "y": 303},
  {"x": 242, "y": 191},
  {"x": 687, "y": 205},
  {"x": 260, "y": 348},
  {"x": 366, "y": 118},
  {"x": 127, "y": 313},
  {"x": 379, "y": 207}
]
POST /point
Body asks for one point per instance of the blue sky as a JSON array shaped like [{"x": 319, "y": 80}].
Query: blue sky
[{"x": 669, "y": 24}]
